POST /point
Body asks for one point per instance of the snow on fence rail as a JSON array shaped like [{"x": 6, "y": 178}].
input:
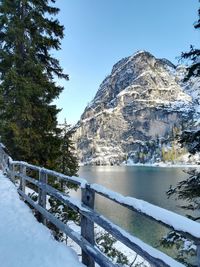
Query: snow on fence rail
[{"x": 90, "y": 253}]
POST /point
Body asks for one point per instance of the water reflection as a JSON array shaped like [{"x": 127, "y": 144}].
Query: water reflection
[{"x": 145, "y": 183}]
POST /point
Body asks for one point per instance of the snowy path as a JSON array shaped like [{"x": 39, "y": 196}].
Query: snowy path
[{"x": 23, "y": 241}]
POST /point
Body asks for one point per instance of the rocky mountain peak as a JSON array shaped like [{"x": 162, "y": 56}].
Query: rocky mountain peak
[
  {"x": 138, "y": 77},
  {"x": 141, "y": 100},
  {"x": 124, "y": 61}
]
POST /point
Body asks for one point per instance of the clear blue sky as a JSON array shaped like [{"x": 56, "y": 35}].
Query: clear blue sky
[{"x": 98, "y": 33}]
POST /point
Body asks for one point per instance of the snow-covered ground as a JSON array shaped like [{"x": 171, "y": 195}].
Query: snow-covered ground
[
  {"x": 23, "y": 241},
  {"x": 159, "y": 164}
]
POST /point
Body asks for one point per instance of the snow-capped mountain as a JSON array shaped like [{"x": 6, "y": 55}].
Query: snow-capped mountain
[{"x": 136, "y": 112}]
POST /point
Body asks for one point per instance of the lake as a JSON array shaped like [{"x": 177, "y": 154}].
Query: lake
[{"x": 147, "y": 183}]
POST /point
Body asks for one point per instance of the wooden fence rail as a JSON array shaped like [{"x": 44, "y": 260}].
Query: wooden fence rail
[{"x": 85, "y": 239}]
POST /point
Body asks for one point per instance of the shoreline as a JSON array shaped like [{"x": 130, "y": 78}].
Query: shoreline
[
  {"x": 153, "y": 165},
  {"x": 163, "y": 165}
]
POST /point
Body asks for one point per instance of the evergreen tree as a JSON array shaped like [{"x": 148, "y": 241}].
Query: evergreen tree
[
  {"x": 28, "y": 119},
  {"x": 191, "y": 138},
  {"x": 189, "y": 189},
  {"x": 68, "y": 161}
]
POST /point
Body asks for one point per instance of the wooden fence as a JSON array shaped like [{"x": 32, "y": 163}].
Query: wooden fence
[{"x": 85, "y": 239}]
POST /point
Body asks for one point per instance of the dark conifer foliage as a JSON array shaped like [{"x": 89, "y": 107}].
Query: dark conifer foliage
[
  {"x": 188, "y": 189},
  {"x": 28, "y": 123},
  {"x": 191, "y": 138},
  {"x": 68, "y": 161},
  {"x": 193, "y": 55}
]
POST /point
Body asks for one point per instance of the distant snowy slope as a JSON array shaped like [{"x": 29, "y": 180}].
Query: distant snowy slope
[{"x": 23, "y": 241}]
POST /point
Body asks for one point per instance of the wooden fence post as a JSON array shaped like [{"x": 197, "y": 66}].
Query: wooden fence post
[
  {"x": 42, "y": 195},
  {"x": 198, "y": 253},
  {"x": 22, "y": 184},
  {"x": 87, "y": 226},
  {"x": 1, "y": 157},
  {"x": 4, "y": 162},
  {"x": 11, "y": 172}
]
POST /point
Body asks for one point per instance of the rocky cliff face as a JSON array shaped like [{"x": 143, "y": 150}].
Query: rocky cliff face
[{"x": 137, "y": 109}]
